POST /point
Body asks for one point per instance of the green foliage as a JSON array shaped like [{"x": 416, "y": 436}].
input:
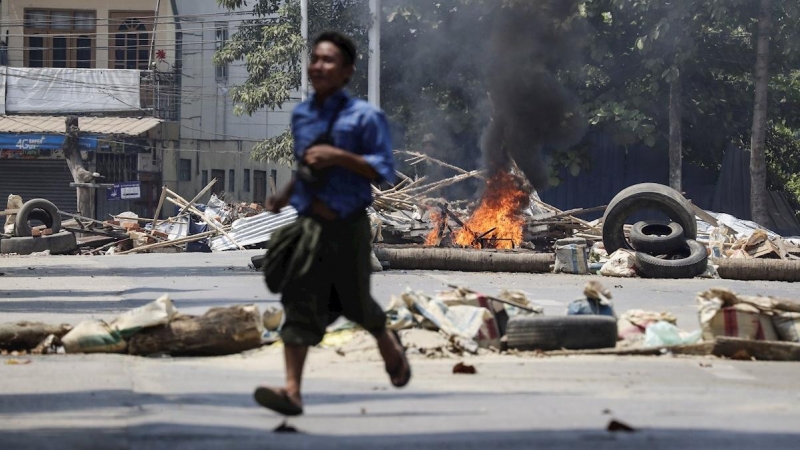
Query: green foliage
[
  {"x": 434, "y": 71},
  {"x": 270, "y": 46},
  {"x": 278, "y": 149}
]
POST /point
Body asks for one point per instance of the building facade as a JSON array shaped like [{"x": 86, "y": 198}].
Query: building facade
[
  {"x": 110, "y": 62},
  {"x": 149, "y": 75},
  {"x": 214, "y": 142}
]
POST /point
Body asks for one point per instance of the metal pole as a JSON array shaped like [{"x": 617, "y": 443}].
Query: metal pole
[
  {"x": 374, "y": 71},
  {"x": 153, "y": 40},
  {"x": 304, "y": 55}
]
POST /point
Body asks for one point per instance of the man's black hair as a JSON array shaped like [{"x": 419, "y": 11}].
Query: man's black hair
[{"x": 345, "y": 44}]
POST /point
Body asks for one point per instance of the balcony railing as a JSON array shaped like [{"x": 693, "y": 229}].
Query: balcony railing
[{"x": 160, "y": 94}]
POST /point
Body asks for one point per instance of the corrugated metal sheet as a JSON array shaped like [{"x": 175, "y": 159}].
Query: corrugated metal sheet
[
  {"x": 127, "y": 126},
  {"x": 254, "y": 230},
  {"x": 38, "y": 178}
]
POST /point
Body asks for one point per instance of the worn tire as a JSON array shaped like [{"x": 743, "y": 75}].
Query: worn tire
[
  {"x": 645, "y": 196},
  {"x": 694, "y": 264},
  {"x": 557, "y": 332},
  {"x": 59, "y": 244},
  {"x": 39, "y": 209},
  {"x": 656, "y": 237}
]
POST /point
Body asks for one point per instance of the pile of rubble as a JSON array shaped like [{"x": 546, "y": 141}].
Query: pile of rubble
[{"x": 453, "y": 323}]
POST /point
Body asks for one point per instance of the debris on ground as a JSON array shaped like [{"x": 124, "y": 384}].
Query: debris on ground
[
  {"x": 463, "y": 368},
  {"x": 617, "y": 426}
]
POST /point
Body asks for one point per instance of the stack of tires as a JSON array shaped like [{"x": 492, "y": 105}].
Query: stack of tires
[
  {"x": 24, "y": 243},
  {"x": 664, "y": 249}
]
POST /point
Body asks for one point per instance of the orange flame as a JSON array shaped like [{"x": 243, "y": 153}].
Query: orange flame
[
  {"x": 433, "y": 238},
  {"x": 500, "y": 208}
]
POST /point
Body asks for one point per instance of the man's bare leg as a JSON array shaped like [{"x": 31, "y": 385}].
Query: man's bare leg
[
  {"x": 295, "y": 357},
  {"x": 288, "y": 400},
  {"x": 392, "y": 353}
]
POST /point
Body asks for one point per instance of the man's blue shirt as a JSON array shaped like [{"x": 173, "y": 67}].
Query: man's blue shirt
[{"x": 361, "y": 129}]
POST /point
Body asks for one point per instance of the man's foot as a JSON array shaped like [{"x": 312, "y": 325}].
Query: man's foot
[
  {"x": 400, "y": 371},
  {"x": 278, "y": 400}
]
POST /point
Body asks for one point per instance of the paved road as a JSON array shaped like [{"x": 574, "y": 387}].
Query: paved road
[{"x": 112, "y": 401}]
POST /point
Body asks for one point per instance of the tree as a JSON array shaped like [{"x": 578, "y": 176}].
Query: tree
[
  {"x": 271, "y": 46},
  {"x": 758, "y": 166},
  {"x": 86, "y": 200}
]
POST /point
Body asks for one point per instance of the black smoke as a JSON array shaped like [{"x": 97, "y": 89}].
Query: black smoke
[{"x": 498, "y": 65}]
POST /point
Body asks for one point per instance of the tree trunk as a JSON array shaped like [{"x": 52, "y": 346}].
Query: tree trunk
[
  {"x": 27, "y": 335},
  {"x": 745, "y": 349},
  {"x": 72, "y": 154},
  {"x": 221, "y": 331},
  {"x": 466, "y": 260},
  {"x": 758, "y": 167},
  {"x": 675, "y": 135}
]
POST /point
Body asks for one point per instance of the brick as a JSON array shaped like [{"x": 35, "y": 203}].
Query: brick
[
  {"x": 47, "y": 232},
  {"x": 35, "y": 232}
]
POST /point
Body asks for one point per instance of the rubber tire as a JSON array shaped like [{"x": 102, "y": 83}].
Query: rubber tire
[
  {"x": 41, "y": 209},
  {"x": 557, "y": 332},
  {"x": 645, "y": 196},
  {"x": 59, "y": 244},
  {"x": 689, "y": 267},
  {"x": 645, "y": 237}
]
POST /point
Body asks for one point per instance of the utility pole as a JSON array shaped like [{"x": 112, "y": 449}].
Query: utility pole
[
  {"x": 304, "y": 55},
  {"x": 374, "y": 71},
  {"x": 153, "y": 39}
]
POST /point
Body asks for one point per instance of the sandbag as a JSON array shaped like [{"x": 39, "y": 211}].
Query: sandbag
[
  {"x": 571, "y": 256},
  {"x": 93, "y": 336},
  {"x": 621, "y": 263},
  {"x": 787, "y": 324},
  {"x": 158, "y": 312}
]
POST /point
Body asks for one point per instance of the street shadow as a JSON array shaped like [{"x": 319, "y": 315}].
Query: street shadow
[
  {"x": 177, "y": 436},
  {"x": 111, "y": 306},
  {"x": 80, "y": 293},
  {"x": 110, "y": 398},
  {"x": 129, "y": 271}
]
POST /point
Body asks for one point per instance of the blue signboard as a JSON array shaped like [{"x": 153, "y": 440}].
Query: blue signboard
[
  {"x": 131, "y": 190},
  {"x": 30, "y": 141}
]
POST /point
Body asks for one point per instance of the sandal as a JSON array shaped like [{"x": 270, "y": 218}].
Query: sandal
[
  {"x": 398, "y": 371},
  {"x": 278, "y": 400}
]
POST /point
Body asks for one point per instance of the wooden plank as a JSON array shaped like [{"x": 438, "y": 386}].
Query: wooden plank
[
  {"x": 196, "y": 197},
  {"x": 158, "y": 208},
  {"x": 706, "y": 217},
  {"x": 745, "y": 349},
  {"x": 9, "y": 212},
  {"x": 701, "y": 349}
]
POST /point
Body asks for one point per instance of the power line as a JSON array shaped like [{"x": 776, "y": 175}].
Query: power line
[
  {"x": 160, "y": 18},
  {"x": 180, "y": 149}
]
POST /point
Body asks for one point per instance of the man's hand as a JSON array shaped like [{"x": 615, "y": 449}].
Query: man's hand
[
  {"x": 322, "y": 156},
  {"x": 275, "y": 203}
]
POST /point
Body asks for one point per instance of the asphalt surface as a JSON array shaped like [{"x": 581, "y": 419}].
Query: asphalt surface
[{"x": 116, "y": 401}]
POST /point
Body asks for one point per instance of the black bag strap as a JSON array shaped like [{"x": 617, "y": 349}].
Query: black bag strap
[{"x": 334, "y": 118}]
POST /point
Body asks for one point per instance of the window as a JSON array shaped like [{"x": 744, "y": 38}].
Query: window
[
  {"x": 129, "y": 40},
  {"x": 60, "y": 38},
  {"x": 246, "y": 184},
  {"x": 220, "y": 38},
  {"x": 273, "y": 181},
  {"x": 204, "y": 177},
  {"x": 231, "y": 181},
  {"x": 219, "y": 186},
  {"x": 185, "y": 170}
]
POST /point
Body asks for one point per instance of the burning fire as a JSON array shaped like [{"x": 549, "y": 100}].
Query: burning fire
[
  {"x": 500, "y": 210},
  {"x": 434, "y": 237}
]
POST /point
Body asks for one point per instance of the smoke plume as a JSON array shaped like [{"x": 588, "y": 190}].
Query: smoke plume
[{"x": 497, "y": 63}]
